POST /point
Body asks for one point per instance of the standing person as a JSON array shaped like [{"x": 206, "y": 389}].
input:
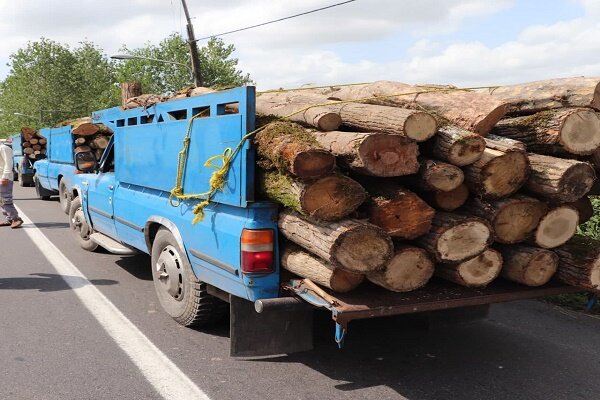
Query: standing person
[{"x": 6, "y": 188}]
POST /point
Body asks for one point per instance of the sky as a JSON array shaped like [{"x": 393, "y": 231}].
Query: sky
[{"x": 460, "y": 42}]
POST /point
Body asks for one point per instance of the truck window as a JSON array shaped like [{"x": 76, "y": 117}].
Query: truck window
[{"x": 109, "y": 161}]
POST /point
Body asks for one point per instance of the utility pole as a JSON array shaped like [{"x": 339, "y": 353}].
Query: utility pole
[{"x": 193, "y": 47}]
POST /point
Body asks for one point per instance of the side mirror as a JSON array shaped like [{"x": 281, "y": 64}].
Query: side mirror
[{"x": 85, "y": 161}]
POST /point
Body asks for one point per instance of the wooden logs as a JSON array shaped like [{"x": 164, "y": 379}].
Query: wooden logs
[
  {"x": 473, "y": 111},
  {"x": 398, "y": 211},
  {"x": 376, "y": 154},
  {"x": 571, "y": 130},
  {"x": 579, "y": 262},
  {"x": 99, "y": 142},
  {"x": 410, "y": 268},
  {"x": 497, "y": 174},
  {"x": 290, "y": 148},
  {"x": 28, "y": 133},
  {"x": 33, "y": 141},
  {"x": 447, "y": 201},
  {"x": 42, "y": 141},
  {"x": 527, "y": 265},
  {"x": 455, "y": 145},
  {"x": 513, "y": 219},
  {"x": 354, "y": 245},
  {"x": 328, "y": 198},
  {"x": 28, "y": 150},
  {"x": 303, "y": 264},
  {"x": 82, "y": 149},
  {"x": 455, "y": 238},
  {"x": 80, "y": 141},
  {"x": 478, "y": 271},
  {"x": 531, "y": 97},
  {"x": 503, "y": 143},
  {"x": 584, "y": 207},
  {"x": 559, "y": 179},
  {"x": 556, "y": 227},
  {"x": 129, "y": 90},
  {"x": 436, "y": 175}
]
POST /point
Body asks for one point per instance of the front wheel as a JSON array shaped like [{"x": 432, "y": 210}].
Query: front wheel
[
  {"x": 65, "y": 197},
  {"x": 179, "y": 292},
  {"x": 79, "y": 227},
  {"x": 38, "y": 188}
]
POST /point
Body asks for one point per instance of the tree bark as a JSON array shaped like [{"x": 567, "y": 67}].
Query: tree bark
[
  {"x": 556, "y": 227},
  {"x": 476, "y": 112},
  {"x": 497, "y": 174},
  {"x": 398, "y": 211},
  {"x": 513, "y": 219},
  {"x": 86, "y": 129},
  {"x": 584, "y": 207},
  {"x": 436, "y": 176},
  {"x": 478, "y": 271},
  {"x": 410, "y": 268},
  {"x": 129, "y": 90},
  {"x": 353, "y": 245},
  {"x": 290, "y": 148},
  {"x": 447, "y": 201},
  {"x": 527, "y": 265},
  {"x": 455, "y": 145},
  {"x": 532, "y": 97},
  {"x": 28, "y": 133},
  {"x": 144, "y": 100},
  {"x": 305, "y": 265},
  {"x": 565, "y": 130},
  {"x": 559, "y": 180},
  {"x": 504, "y": 144},
  {"x": 376, "y": 154},
  {"x": 579, "y": 262},
  {"x": 455, "y": 238},
  {"x": 328, "y": 198}
]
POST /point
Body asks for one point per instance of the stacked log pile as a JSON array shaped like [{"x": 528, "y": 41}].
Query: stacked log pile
[
  {"x": 33, "y": 144},
  {"x": 89, "y": 136}
]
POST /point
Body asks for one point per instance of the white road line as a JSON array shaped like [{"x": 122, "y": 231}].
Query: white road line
[{"x": 162, "y": 373}]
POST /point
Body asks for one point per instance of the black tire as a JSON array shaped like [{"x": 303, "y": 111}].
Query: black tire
[
  {"x": 20, "y": 178},
  {"x": 185, "y": 298},
  {"x": 79, "y": 227},
  {"x": 39, "y": 189},
  {"x": 64, "y": 197}
]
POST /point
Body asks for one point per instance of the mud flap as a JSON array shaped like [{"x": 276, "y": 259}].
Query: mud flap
[{"x": 278, "y": 329}]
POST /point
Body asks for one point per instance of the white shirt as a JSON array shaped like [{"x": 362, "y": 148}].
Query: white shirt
[{"x": 6, "y": 162}]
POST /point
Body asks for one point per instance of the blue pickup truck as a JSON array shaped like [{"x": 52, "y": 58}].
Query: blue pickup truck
[
  {"x": 229, "y": 259},
  {"x": 53, "y": 175},
  {"x": 22, "y": 164}
]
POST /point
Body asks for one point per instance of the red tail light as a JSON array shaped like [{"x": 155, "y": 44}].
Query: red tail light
[{"x": 257, "y": 251}]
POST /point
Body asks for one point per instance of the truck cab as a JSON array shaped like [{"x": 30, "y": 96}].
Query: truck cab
[{"x": 22, "y": 164}]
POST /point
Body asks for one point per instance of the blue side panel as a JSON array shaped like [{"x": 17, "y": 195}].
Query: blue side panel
[{"x": 60, "y": 144}]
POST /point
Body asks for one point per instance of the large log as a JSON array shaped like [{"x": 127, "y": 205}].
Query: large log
[
  {"x": 28, "y": 133},
  {"x": 447, "y": 201},
  {"x": 410, "y": 268},
  {"x": 503, "y": 143},
  {"x": 579, "y": 262},
  {"x": 478, "y": 271},
  {"x": 304, "y": 264},
  {"x": 398, "y": 211},
  {"x": 584, "y": 207},
  {"x": 376, "y": 154},
  {"x": 328, "y": 198},
  {"x": 556, "y": 227},
  {"x": 455, "y": 238},
  {"x": 99, "y": 142},
  {"x": 86, "y": 129},
  {"x": 497, "y": 174},
  {"x": 144, "y": 100},
  {"x": 129, "y": 90},
  {"x": 513, "y": 219},
  {"x": 289, "y": 147},
  {"x": 434, "y": 175},
  {"x": 531, "y": 97},
  {"x": 476, "y": 112},
  {"x": 527, "y": 265},
  {"x": 354, "y": 245},
  {"x": 559, "y": 179},
  {"x": 565, "y": 130},
  {"x": 455, "y": 145}
]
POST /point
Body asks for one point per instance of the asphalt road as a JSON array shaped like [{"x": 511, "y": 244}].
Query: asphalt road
[{"x": 52, "y": 347}]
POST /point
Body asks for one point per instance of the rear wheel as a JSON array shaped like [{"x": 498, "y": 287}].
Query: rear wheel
[
  {"x": 65, "y": 197},
  {"x": 180, "y": 293},
  {"x": 79, "y": 227},
  {"x": 38, "y": 189}
]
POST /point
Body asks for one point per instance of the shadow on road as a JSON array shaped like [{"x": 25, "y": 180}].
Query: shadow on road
[
  {"x": 49, "y": 225},
  {"x": 137, "y": 265},
  {"x": 50, "y": 282}
]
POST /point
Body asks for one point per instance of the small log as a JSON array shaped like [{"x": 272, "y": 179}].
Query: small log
[
  {"x": 33, "y": 141},
  {"x": 532, "y": 97},
  {"x": 82, "y": 149},
  {"x": 43, "y": 141},
  {"x": 98, "y": 154},
  {"x": 559, "y": 180},
  {"x": 579, "y": 262},
  {"x": 513, "y": 219},
  {"x": 584, "y": 207},
  {"x": 354, "y": 245},
  {"x": 447, "y": 201},
  {"x": 527, "y": 265},
  {"x": 304, "y": 264},
  {"x": 398, "y": 211},
  {"x": 100, "y": 142},
  {"x": 497, "y": 174},
  {"x": 36, "y": 147},
  {"x": 503, "y": 143},
  {"x": 25, "y": 144},
  {"x": 144, "y": 100},
  {"x": 80, "y": 141},
  {"x": 455, "y": 145},
  {"x": 288, "y": 147},
  {"x": 328, "y": 198},
  {"x": 456, "y": 238},
  {"x": 376, "y": 154},
  {"x": 410, "y": 268},
  {"x": 28, "y": 150},
  {"x": 565, "y": 130},
  {"x": 436, "y": 176},
  {"x": 28, "y": 133},
  {"x": 556, "y": 227},
  {"x": 478, "y": 271},
  {"x": 129, "y": 90},
  {"x": 85, "y": 129},
  {"x": 37, "y": 152}
]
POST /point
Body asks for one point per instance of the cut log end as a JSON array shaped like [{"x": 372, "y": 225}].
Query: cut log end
[
  {"x": 485, "y": 125},
  {"x": 328, "y": 122},
  {"x": 332, "y": 197},
  {"x": 580, "y": 133},
  {"x": 450, "y": 200},
  {"x": 540, "y": 269},
  {"x": 478, "y": 271},
  {"x": 389, "y": 155},
  {"x": 420, "y": 126},
  {"x": 463, "y": 241},
  {"x": 515, "y": 222},
  {"x": 576, "y": 182},
  {"x": 504, "y": 175},
  {"x": 409, "y": 269},
  {"x": 557, "y": 227},
  {"x": 368, "y": 249},
  {"x": 528, "y": 265},
  {"x": 311, "y": 164},
  {"x": 466, "y": 151}
]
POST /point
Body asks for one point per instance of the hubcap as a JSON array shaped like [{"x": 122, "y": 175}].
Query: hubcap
[
  {"x": 79, "y": 224},
  {"x": 169, "y": 272}
]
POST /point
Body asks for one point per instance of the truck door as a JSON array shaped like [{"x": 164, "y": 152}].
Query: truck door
[{"x": 100, "y": 194}]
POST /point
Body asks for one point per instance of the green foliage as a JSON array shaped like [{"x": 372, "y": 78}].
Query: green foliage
[{"x": 592, "y": 227}]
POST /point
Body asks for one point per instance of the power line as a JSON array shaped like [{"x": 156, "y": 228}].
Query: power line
[{"x": 277, "y": 20}]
